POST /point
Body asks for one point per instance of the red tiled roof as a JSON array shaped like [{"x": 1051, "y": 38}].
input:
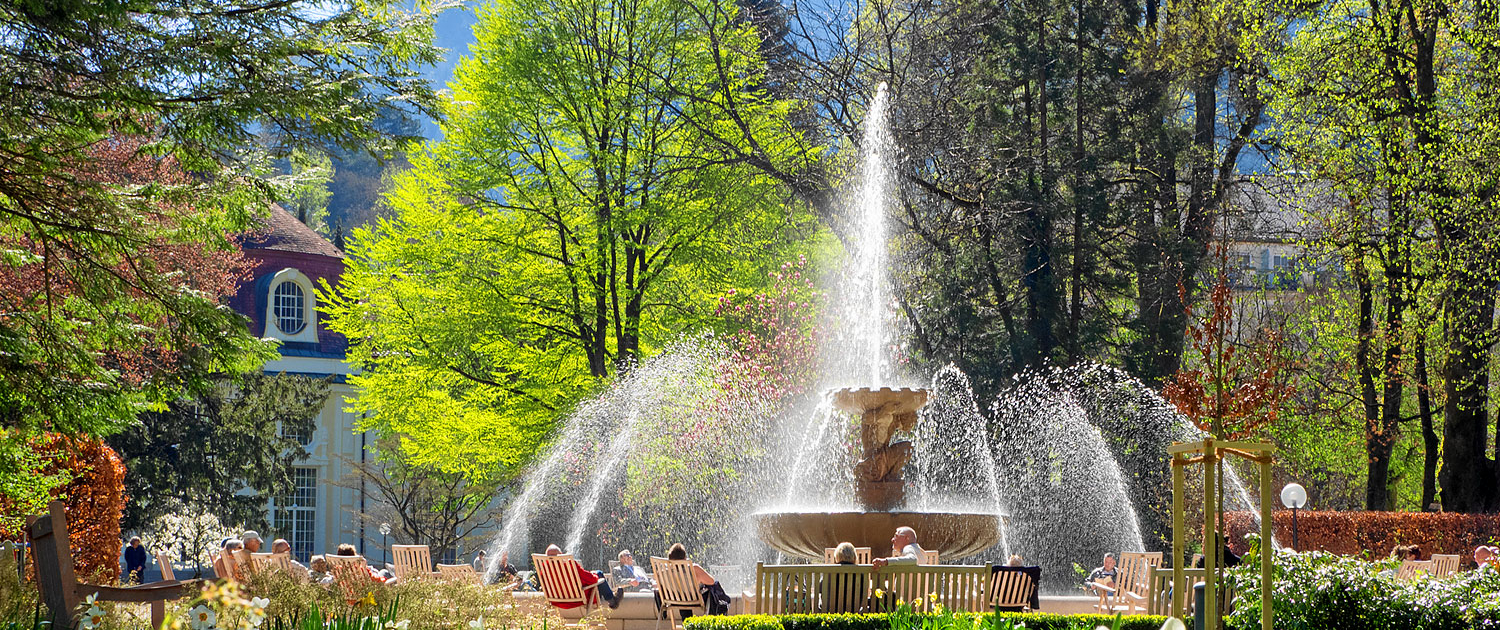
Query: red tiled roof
[{"x": 283, "y": 232}]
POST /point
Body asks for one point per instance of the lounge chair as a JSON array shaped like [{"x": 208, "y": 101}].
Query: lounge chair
[
  {"x": 411, "y": 561},
  {"x": 930, "y": 557},
  {"x": 1131, "y": 589},
  {"x": 676, "y": 588},
  {"x": 1410, "y": 569},
  {"x": 561, "y": 584},
  {"x": 352, "y": 575},
  {"x": 1444, "y": 565},
  {"x": 464, "y": 573},
  {"x": 1013, "y": 588},
  {"x": 63, "y": 593},
  {"x": 165, "y": 562}
]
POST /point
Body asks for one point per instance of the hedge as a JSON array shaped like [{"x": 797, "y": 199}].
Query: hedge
[
  {"x": 1373, "y": 534},
  {"x": 881, "y": 621}
]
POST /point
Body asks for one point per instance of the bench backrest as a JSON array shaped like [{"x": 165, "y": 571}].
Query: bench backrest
[
  {"x": 1444, "y": 565},
  {"x": 1134, "y": 570},
  {"x": 411, "y": 560},
  {"x": 806, "y": 588},
  {"x": 862, "y": 555},
  {"x": 56, "y": 578},
  {"x": 1410, "y": 568},
  {"x": 351, "y": 574},
  {"x": 930, "y": 557}
]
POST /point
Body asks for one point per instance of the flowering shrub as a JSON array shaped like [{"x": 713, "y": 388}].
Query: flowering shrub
[
  {"x": 774, "y": 343},
  {"x": 1324, "y": 590},
  {"x": 192, "y": 531},
  {"x": 1373, "y": 534}
]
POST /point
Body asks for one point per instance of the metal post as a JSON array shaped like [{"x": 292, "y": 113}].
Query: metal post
[
  {"x": 1267, "y": 550},
  {"x": 1294, "y": 529}
]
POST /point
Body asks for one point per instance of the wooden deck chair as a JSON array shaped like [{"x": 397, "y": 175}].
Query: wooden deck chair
[
  {"x": 929, "y": 557},
  {"x": 1444, "y": 565},
  {"x": 352, "y": 575},
  {"x": 561, "y": 584},
  {"x": 1132, "y": 587},
  {"x": 1411, "y": 569},
  {"x": 260, "y": 562},
  {"x": 463, "y": 573},
  {"x": 232, "y": 565},
  {"x": 411, "y": 561},
  {"x": 59, "y": 586},
  {"x": 677, "y": 589},
  {"x": 862, "y": 555},
  {"x": 165, "y": 562},
  {"x": 1011, "y": 588}
]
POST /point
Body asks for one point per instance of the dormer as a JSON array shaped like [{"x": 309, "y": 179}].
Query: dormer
[{"x": 291, "y": 305}]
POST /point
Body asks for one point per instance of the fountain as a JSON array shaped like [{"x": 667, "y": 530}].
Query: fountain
[{"x": 880, "y": 490}]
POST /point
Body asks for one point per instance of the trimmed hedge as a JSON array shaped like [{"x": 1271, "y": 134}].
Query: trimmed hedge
[
  {"x": 1373, "y": 534},
  {"x": 881, "y": 621}
]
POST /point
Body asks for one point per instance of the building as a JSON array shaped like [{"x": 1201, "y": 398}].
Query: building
[{"x": 289, "y": 261}]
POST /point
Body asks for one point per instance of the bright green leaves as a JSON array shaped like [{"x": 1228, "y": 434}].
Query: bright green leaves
[{"x": 596, "y": 191}]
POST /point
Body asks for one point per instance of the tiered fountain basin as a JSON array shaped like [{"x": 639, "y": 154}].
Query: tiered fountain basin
[
  {"x": 880, "y": 491},
  {"x": 807, "y": 534}
]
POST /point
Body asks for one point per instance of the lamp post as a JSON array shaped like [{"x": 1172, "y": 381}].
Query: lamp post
[
  {"x": 385, "y": 530},
  {"x": 1294, "y": 496}
]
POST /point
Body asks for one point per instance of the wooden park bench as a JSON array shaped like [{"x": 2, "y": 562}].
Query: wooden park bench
[
  {"x": 59, "y": 585},
  {"x": 808, "y": 588}
]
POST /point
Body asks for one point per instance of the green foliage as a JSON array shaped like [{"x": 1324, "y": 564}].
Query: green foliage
[
  {"x": 224, "y": 452},
  {"x": 102, "y": 318},
  {"x": 1319, "y": 590},
  {"x": 882, "y": 621},
  {"x": 573, "y": 219}
]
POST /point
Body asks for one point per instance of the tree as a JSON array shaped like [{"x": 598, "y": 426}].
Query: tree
[
  {"x": 99, "y": 319},
  {"x": 226, "y": 452},
  {"x": 577, "y": 214},
  {"x": 1393, "y": 103},
  {"x": 426, "y": 505}
]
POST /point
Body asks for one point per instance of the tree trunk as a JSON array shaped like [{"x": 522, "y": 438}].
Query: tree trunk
[{"x": 1429, "y": 434}]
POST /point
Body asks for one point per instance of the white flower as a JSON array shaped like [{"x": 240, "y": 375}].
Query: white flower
[
  {"x": 202, "y": 617},
  {"x": 257, "y": 612},
  {"x": 93, "y": 617},
  {"x": 477, "y": 624},
  {"x": 397, "y": 625}
]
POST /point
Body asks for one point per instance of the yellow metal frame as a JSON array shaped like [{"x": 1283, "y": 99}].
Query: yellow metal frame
[{"x": 1211, "y": 453}]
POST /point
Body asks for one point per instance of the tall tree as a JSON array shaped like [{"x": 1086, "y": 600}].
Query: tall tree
[
  {"x": 84, "y": 285},
  {"x": 601, "y": 183},
  {"x": 226, "y": 452}
]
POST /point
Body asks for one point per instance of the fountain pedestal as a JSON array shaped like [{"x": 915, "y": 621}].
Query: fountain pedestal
[{"x": 880, "y": 490}]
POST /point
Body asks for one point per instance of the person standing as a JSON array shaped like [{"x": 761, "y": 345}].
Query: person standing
[
  {"x": 135, "y": 561},
  {"x": 479, "y": 564}
]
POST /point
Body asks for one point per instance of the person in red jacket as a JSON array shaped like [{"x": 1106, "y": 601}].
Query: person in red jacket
[{"x": 589, "y": 577}]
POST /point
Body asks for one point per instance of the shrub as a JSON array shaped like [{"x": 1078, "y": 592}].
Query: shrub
[
  {"x": 1324, "y": 590},
  {"x": 882, "y": 621},
  {"x": 1372, "y": 534},
  {"x": 94, "y": 498}
]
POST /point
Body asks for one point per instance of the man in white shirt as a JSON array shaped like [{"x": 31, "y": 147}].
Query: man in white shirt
[{"x": 905, "y": 540}]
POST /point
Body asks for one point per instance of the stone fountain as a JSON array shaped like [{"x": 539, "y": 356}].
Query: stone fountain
[{"x": 880, "y": 490}]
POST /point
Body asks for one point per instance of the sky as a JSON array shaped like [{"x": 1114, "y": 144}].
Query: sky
[{"x": 454, "y": 31}]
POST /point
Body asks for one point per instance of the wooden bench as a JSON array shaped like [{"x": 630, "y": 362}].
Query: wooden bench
[
  {"x": 811, "y": 588},
  {"x": 59, "y": 585}
]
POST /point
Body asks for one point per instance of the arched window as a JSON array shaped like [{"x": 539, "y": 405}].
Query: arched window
[{"x": 289, "y": 304}]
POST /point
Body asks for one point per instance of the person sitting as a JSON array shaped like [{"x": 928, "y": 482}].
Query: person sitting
[
  {"x": 280, "y": 545},
  {"x": 1015, "y": 560},
  {"x": 1485, "y": 556},
  {"x": 505, "y": 573},
  {"x": 715, "y": 600},
  {"x": 1406, "y": 552},
  {"x": 904, "y": 540},
  {"x": 1102, "y": 579},
  {"x": 845, "y": 553},
  {"x": 587, "y": 577},
  {"x": 628, "y": 575},
  {"x": 230, "y": 545},
  {"x": 348, "y": 550},
  {"x": 252, "y": 541},
  {"x": 318, "y": 570}
]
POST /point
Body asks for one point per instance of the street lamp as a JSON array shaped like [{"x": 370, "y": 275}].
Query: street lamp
[
  {"x": 1294, "y": 496},
  {"x": 385, "y": 530}
]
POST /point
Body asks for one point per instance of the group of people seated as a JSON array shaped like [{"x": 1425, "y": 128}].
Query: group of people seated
[
  {"x": 317, "y": 569},
  {"x": 629, "y": 577}
]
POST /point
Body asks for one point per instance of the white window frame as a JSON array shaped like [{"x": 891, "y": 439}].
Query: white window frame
[{"x": 309, "y": 332}]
